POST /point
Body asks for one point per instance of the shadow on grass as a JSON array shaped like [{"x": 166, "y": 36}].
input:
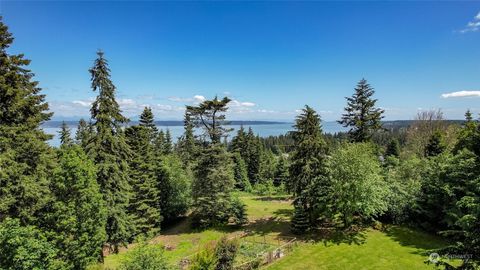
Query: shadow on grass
[
  {"x": 274, "y": 198},
  {"x": 415, "y": 238}
]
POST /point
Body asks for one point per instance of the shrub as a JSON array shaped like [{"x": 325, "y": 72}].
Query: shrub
[
  {"x": 204, "y": 260},
  {"x": 226, "y": 251},
  {"x": 146, "y": 257}
]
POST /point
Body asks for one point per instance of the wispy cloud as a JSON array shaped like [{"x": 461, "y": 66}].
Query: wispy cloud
[
  {"x": 472, "y": 26},
  {"x": 461, "y": 94}
]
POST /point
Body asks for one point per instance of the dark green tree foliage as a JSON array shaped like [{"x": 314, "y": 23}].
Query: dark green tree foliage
[
  {"x": 435, "y": 145},
  {"x": 226, "y": 251},
  {"x": 212, "y": 186},
  {"x": 144, "y": 202},
  {"x": 238, "y": 211},
  {"x": 252, "y": 156},
  {"x": 174, "y": 183},
  {"x": 393, "y": 148},
  {"x": 281, "y": 172},
  {"x": 361, "y": 115},
  {"x": 26, "y": 248},
  {"x": 146, "y": 257},
  {"x": 300, "y": 220},
  {"x": 268, "y": 166},
  {"x": 84, "y": 134},
  {"x": 65, "y": 134},
  {"x": 469, "y": 135},
  {"x": 240, "y": 173},
  {"x": 78, "y": 215},
  {"x": 168, "y": 146},
  {"x": 210, "y": 116},
  {"x": 147, "y": 120},
  {"x": 25, "y": 157},
  {"x": 110, "y": 153},
  {"x": 308, "y": 168},
  {"x": 187, "y": 144}
]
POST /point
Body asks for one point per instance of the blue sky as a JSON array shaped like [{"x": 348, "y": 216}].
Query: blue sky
[{"x": 271, "y": 58}]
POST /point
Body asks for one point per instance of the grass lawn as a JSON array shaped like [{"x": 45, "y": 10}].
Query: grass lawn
[
  {"x": 269, "y": 220},
  {"x": 398, "y": 248}
]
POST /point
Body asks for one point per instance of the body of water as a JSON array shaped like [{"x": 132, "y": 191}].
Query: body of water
[{"x": 263, "y": 130}]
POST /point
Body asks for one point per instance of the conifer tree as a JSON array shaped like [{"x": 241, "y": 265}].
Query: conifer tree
[
  {"x": 84, "y": 133},
  {"x": 78, "y": 215},
  {"x": 144, "y": 202},
  {"x": 65, "y": 134},
  {"x": 240, "y": 172},
  {"x": 435, "y": 145},
  {"x": 212, "y": 186},
  {"x": 281, "y": 172},
  {"x": 168, "y": 146},
  {"x": 308, "y": 169},
  {"x": 393, "y": 148},
  {"x": 187, "y": 144},
  {"x": 210, "y": 116},
  {"x": 159, "y": 143},
  {"x": 361, "y": 115},
  {"x": 25, "y": 157},
  {"x": 252, "y": 156},
  {"x": 110, "y": 153},
  {"x": 300, "y": 220},
  {"x": 147, "y": 120}
]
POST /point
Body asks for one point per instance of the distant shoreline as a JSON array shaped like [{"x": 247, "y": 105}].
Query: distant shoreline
[{"x": 170, "y": 123}]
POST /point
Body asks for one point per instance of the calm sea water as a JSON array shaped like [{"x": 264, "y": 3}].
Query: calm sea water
[{"x": 176, "y": 131}]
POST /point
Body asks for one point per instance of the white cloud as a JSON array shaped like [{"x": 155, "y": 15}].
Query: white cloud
[
  {"x": 472, "y": 26},
  {"x": 199, "y": 98},
  {"x": 82, "y": 103},
  {"x": 461, "y": 94},
  {"x": 179, "y": 99}
]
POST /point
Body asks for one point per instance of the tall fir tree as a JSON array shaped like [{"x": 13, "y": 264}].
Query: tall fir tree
[
  {"x": 65, "y": 134},
  {"x": 110, "y": 153},
  {"x": 210, "y": 115},
  {"x": 212, "y": 186},
  {"x": 435, "y": 145},
  {"x": 168, "y": 146},
  {"x": 308, "y": 168},
  {"x": 361, "y": 115},
  {"x": 187, "y": 144},
  {"x": 240, "y": 172},
  {"x": 281, "y": 173},
  {"x": 78, "y": 215},
  {"x": 147, "y": 119},
  {"x": 84, "y": 133},
  {"x": 26, "y": 160},
  {"x": 252, "y": 157},
  {"x": 144, "y": 202}
]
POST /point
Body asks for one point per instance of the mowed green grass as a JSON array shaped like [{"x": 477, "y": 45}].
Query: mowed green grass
[
  {"x": 395, "y": 248},
  {"x": 398, "y": 248}
]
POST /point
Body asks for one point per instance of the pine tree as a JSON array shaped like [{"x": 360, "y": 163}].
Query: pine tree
[
  {"x": 252, "y": 156},
  {"x": 210, "y": 116},
  {"x": 281, "y": 172},
  {"x": 168, "y": 146},
  {"x": 159, "y": 143},
  {"x": 110, "y": 153},
  {"x": 212, "y": 186},
  {"x": 147, "y": 120},
  {"x": 308, "y": 169},
  {"x": 393, "y": 148},
  {"x": 187, "y": 144},
  {"x": 300, "y": 220},
  {"x": 144, "y": 202},
  {"x": 84, "y": 133},
  {"x": 361, "y": 115},
  {"x": 26, "y": 160},
  {"x": 240, "y": 173},
  {"x": 79, "y": 215},
  {"x": 65, "y": 134},
  {"x": 468, "y": 117},
  {"x": 435, "y": 145}
]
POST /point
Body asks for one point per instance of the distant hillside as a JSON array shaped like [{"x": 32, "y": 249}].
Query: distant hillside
[
  {"x": 173, "y": 123},
  {"x": 396, "y": 124}
]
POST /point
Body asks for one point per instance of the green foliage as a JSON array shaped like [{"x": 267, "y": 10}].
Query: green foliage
[
  {"x": 238, "y": 211},
  {"x": 212, "y": 186},
  {"x": 144, "y": 202},
  {"x": 175, "y": 185},
  {"x": 356, "y": 185},
  {"x": 435, "y": 145},
  {"x": 393, "y": 148},
  {"x": 110, "y": 153},
  {"x": 84, "y": 134},
  {"x": 308, "y": 168},
  {"x": 146, "y": 257},
  {"x": 226, "y": 251},
  {"x": 209, "y": 115},
  {"x": 147, "y": 120},
  {"x": 281, "y": 172},
  {"x": 361, "y": 115},
  {"x": 240, "y": 173},
  {"x": 78, "y": 215},
  {"x": 300, "y": 220},
  {"x": 206, "y": 259},
  {"x": 26, "y": 161},
  {"x": 26, "y": 248},
  {"x": 187, "y": 145},
  {"x": 250, "y": 149},
  {"x": 65, "y": 134}
]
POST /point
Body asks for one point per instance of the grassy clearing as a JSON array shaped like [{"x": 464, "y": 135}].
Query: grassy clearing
[{"x": 269, "y": 217}]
